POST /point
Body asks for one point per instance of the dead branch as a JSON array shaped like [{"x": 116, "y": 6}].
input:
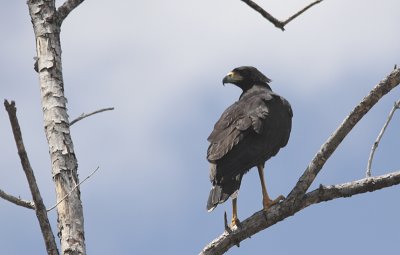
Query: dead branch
[
  {"x": 83, "y": 115},
  {"x": 66, "y": 8},
  {"x": 369, "y": 184},
  {"x": 261, "y": 220},
  {"x": 279, "y": 24},
  {"x": 378, "y": 139},
  {"x": 40, "y": 209},
  {"x": 298, "y": 199},
  {"x": 17, "y": 201},
  {"x": 76, "y": 186},
  {"x": 384, "y": 86}
]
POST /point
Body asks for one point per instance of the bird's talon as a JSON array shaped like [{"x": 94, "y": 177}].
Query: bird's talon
[
  {"x": 267, "y": 203},
  {"x": 280, "y": 198},
  {"x": 235, "y": 224}
]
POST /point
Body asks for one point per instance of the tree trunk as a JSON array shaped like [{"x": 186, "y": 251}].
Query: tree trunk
[{"x": 64, "y": 163}]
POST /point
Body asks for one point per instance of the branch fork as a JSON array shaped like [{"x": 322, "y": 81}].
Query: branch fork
[{"x": 279, "y": 24}]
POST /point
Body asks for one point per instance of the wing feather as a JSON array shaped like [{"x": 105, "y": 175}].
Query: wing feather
[{"x": 235, "y": 123}]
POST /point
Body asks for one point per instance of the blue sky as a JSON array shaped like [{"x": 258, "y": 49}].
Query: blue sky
[{"x": 160, "y": 64}]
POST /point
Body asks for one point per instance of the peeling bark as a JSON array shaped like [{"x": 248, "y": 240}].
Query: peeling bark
[{"x": 63, "y": 160}]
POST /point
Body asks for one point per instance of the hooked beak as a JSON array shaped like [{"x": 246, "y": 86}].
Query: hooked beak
[{"x": 232, "y": 77}]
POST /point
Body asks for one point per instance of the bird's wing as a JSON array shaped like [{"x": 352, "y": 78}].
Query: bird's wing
[{"x": 236, "y": 122}]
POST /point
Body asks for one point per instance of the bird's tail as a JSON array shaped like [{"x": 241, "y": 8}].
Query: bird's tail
[
  {"x": 216, "y": 197},
  {"x": 221, "y": 191}
]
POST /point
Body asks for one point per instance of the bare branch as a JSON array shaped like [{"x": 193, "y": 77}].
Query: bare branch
[
  {"x": 378, "y": 139},
  {"x": 300, "y": 12},
  {"x": 386, "y": 85},
  {"x": 265, "y": 14},
  {"x": 261, "y": 220},
  {"x": 76, "y": 186},
  {"x": 65, "y": 9},
  {"x": 326, "y": 193},
  {"x": 279, "y": 24},
  {"x": 17, "y": 201},
  {"x": 83, "y": 115},
  {"x": 40, "y": 209},
  {"x": 298, "y": 199}
]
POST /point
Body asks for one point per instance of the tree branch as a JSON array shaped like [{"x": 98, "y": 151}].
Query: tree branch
[
  {"x": 386, "y": 85},
  {"x": 261, "y": 220},
  {"x": 265, "y": 14},
  {"x": 298, "y": 199},
  {"x": 300, "y": 12},
  {"x": 17, "y": 201},
  {"x": 40, "y": 209},
  {"x": 83, "y": 115},
  {"x": 64, "y": 10},
  {"x": 378, "y": 139},
  {"x": 279, "y": 24},
  {"x": 46, "y": 21},
  {"x": 369, "y": 184},
  {"x": 76, "y": 186}
]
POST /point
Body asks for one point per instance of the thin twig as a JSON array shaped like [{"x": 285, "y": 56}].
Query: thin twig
[
  {"x": 68, "y": 6},
  {"x": 40, "y": 209},
  {"x": 83, "y": 115},
  {"x": 76, "y": 186},
  {"x": 227, "y": 229},
  {"x": 378, "y": 139},
  {"x": 17, "y": 200},
  {"x": 300, "y": 12},
  {"x": 277, "y": 23}
]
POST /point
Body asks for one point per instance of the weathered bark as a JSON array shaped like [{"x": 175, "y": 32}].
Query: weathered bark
[
  {"x": 262, "y": 220},
  {"x": 46, "y": 25},
  {"x": 40, "y": 209},
  {"x": 16, "y": 200},
  {"x": 67, "y": 7}
]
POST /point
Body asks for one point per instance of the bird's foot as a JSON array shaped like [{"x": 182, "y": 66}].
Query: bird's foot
[
  {"x": 267, "y": 203},
  {"x": 235, "y": 223}
]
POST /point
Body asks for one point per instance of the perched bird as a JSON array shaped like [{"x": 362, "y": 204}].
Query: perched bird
[{"x": 249, "y": 132}]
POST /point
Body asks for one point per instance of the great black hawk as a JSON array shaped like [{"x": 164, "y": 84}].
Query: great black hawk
[{"x": 249, "y": 132}]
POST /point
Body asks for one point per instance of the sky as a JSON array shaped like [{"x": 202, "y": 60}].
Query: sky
[{"x": 161, "y": 64}]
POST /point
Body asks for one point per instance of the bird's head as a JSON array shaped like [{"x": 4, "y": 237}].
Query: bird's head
[{"x": 246, "y": 77}]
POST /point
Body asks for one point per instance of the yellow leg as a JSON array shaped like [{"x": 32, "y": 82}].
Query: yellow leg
[
  {"x": 267, "y": 202},
  {"x": 235, "y": 220}
]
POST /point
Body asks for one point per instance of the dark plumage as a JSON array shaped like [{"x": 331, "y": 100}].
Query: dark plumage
[{"x": 249, "y": 132}]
